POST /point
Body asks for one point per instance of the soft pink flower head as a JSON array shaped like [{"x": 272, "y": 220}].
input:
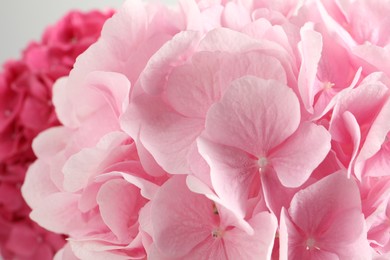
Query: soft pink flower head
[
  {"x": 216, "y": 130},
  {"x": 26, "y": 110}
]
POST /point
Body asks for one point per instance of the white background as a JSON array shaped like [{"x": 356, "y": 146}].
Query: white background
[{"x": 24, "y": 20}]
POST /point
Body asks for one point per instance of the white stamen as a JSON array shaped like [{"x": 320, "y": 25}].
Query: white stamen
[
  {"x": 262, "y": 162},
  {"x": 311, "y": 244},
  {"x": 328, "y": 85}
]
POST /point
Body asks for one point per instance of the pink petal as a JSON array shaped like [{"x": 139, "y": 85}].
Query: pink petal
[
  {"x": 374, "y": 55},
  {"x": 51, "y": 141},
  {"x": 239, "y": 245},
  {"x": 173, "y": 53},
  {"x": 96, "y": 92},
  {"x": 310, "y": 48},
  {"x": 329, "y": 197},
  {"x": 276, "y": 195},
  {"x": 379, "y": 165},
  {"x": 372, "y": 95},
  {"x": 224, "y": 39},
  {"x": 254, "y": 115},
  {"x": 181, "y": 219},
  {"x": 232, "y": 173},
  {"x": 375, "y": 140},
  {"x": 81, "y": 167},
  {"x": 65, "y": 253},
  {"x": 59, "y": 213},
  {"x": 167, "y": 135},
  {"x": 352, "y": 127},
  {"x": 329, "y": 212},
  {"x": 37, "y": 184},
  {"x": 118, "y": 203},
  {"x": 147, "y": 188},
  {"x": 296, "y": 159},
  {"x": 193, "y": 88},
  {"x": 235, "y": 16}
]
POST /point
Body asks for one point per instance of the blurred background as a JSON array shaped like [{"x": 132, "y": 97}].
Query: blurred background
[{"x": 22, "y": 21}]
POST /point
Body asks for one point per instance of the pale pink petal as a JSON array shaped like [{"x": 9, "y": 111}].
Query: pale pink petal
[
  {"x": 181, "y": 219},
  {"x": 117, "y": 202},
  {"x": 296, "y": 159},
  {"x": 65, "y": 253},
  {"x": 333, "y": 26},
  {"x": 326, "y": 201},
  {"x": 254, "y": 115},
  {"x": 97, "y": 251},
  {"x": 87, "y": 200},
  {"x": 64, "y": 107},
  {"x": 147, "y": 188},
  {"x": 81, "y": 167},
  {"x": 37, "y": 184},
  {"x": 148, "y": 162},
  {"x": 224, "y": 39},
  {"x": 376, "y": 138},
  {"x": 97, "y": 89},
  {"x": 51, "y": 141},
  {"x": 276, "y": 195},
  {"x": 352, "y": 127},
  {"x": 59, "y": 213},
  {"x": 193, "y": 88},
  {"x": 173, "y": 53},
  {"x": 167, "y": 135},
  {"x": 232, "y": 171},
  {"x": 239, "y": 245},
  {"x": 374, "y": 55},
  {"x": 372, "y": 95},
  {"x": 328, "y": 217},
  {"x": 310, "y": 48},
  {"x": 112, "y": 88},
  {"x": 235, "y": 16},
  {"x": 379, "y": 165}
]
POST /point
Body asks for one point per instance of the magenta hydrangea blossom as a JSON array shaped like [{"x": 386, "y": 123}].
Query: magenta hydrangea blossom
[{"x": 26, "y": 109}]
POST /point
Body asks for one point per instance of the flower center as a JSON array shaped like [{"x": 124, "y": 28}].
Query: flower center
[
  {"x": 328, "y": 85},
  {"x": 262, "y": 162},
  {"x": 217, "y": 233},
  {"x": 215, "y": 209},
  {"x": 311, "y": 244}
]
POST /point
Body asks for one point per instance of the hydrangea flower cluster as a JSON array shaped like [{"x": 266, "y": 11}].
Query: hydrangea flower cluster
[
  {"x": 243, "y": 129},
  {"x": 26, "y": 109}
]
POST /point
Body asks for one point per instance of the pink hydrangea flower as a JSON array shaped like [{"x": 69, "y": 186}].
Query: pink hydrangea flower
[
  {"x": 26, "y": 110},
  {"x": 194, "y": 227},
  {"x": 325, "y": 221},
  {"x": 248, "y": 133},
  {"x": 220, "y": 130}
]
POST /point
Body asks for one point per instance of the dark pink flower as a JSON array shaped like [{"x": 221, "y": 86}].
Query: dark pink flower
[{"x": 26, "y": 110}]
